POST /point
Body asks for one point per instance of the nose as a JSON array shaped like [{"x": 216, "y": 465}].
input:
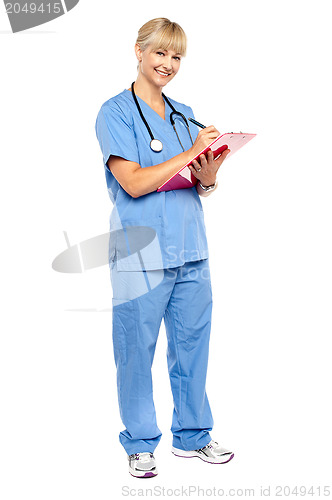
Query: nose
[{"x": 167, "y": 63}]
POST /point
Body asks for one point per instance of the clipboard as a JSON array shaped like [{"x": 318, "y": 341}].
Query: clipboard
[{"x": 184, "y": 178}]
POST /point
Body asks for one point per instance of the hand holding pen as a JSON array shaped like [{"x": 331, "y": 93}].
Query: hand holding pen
[{"x": 204, "y": 139}]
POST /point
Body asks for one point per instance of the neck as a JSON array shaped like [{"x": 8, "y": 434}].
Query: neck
[{"x": 147, "y": 91}]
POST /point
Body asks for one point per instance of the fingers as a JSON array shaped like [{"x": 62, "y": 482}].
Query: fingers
[
  {"x": 209, "y": 132},
  {"x": 210, "y": 128},
  {"x": 202, "y": 161},
  {"x": 222, "y": 157},
  {"x": 207, "y": 163},
  {"x": 204, "y": 138},
  {"x": 196, "y": 166},
  {"x": 199, "y": 165},
  {"x": 218, "y": 162},
  {"x": 210, "y": 156},
  {"x": 193, "y": 170}
]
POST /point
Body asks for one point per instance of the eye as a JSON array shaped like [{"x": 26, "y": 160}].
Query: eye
[
  {"x": 177, "y": 58},
  {"x": 160, "y": 53}
]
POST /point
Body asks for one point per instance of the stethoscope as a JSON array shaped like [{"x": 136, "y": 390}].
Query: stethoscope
[{"x": 155, "y": 144}]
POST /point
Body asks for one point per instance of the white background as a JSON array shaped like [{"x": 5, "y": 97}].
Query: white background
[{"x": 256, "y": 66}]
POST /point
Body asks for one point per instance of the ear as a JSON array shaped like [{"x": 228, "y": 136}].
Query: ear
[{"x": 138, "y": 52}]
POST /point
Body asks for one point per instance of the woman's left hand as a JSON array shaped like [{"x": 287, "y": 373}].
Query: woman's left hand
[{"x": 206, "y": 169}]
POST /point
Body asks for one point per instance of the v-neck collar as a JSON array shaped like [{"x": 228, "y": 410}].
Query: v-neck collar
[{"x": 167, "y": 108}]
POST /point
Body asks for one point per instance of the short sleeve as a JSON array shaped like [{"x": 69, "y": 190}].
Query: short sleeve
[{"x": 115, "y": 134}]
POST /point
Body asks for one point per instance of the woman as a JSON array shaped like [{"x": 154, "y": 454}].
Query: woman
[{"x": 158, "y": 253}]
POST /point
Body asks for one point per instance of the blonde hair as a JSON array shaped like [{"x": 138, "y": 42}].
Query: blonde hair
[{"x": 163, "y": 34}]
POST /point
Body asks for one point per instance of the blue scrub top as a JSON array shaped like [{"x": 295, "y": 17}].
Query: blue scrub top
[{"x": 174, "y": 217}]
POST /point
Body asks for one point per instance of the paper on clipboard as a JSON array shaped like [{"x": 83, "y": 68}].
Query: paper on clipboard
[{"x": 185, "y": 179}]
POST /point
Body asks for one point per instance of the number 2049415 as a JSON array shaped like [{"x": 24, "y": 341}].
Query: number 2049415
[
  {"x": 301, "y": 491},
  {"x": 33, "y": 8}
]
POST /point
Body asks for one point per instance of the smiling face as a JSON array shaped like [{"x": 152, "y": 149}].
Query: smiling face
[{"x": 158, "y": 66}]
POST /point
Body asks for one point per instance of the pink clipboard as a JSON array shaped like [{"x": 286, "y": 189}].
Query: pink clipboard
[{"x": 183, "y": 178}]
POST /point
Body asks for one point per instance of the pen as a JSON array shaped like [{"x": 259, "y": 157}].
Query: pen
[{"x": 196, "y": 123}]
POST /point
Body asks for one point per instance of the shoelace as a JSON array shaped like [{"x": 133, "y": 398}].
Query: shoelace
[
  {"x": 144, "y": 456},
  {"x": 210, "y": 445}
]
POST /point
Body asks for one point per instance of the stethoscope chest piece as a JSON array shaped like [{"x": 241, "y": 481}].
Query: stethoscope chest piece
[{"x": 156, "y": 145}]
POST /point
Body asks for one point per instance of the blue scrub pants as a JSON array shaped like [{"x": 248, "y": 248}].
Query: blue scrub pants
[{"x": 183, "y": 297}]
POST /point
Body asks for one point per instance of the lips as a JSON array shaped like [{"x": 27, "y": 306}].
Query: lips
[{"x": 162, "y": 73}]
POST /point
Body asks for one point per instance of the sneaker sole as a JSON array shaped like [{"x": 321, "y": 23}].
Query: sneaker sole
[
  {"x": 145, "y": 475},
  {"x": 190, "y": 454}
]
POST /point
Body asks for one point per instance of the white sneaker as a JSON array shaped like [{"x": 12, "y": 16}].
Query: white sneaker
[
  {"x": 142, "y": 465},
  {"x": 211, "y": 453}
]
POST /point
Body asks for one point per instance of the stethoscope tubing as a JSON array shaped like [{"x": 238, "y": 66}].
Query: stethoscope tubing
[
  {"x": 140, "y": 111},
  {"x": 154, "y": 141}
]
